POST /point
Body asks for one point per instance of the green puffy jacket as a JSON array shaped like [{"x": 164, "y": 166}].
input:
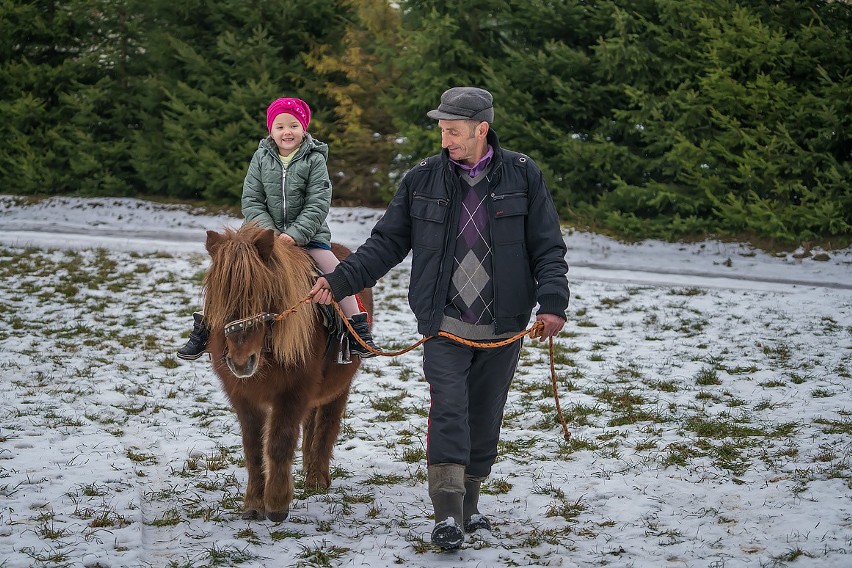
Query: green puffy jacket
[{"x": 294, "y": 201}]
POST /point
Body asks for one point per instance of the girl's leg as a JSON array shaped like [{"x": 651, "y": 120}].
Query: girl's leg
[{"x": 327, "y": 262}]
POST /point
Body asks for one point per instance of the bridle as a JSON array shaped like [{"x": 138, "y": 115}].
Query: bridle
[{"x": 245, "y": 324}]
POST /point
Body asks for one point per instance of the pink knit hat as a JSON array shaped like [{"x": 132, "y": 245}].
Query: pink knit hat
[{"x": 296, "y": 107}]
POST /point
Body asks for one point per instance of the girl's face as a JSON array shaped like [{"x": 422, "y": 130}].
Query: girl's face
[{"x": 287, "y": 133}]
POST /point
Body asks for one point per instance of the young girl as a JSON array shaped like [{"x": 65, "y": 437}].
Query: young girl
[{"x": 287, "y": 188}]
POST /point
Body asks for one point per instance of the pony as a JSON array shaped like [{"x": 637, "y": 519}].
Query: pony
[{"x": 280, "y": 377}]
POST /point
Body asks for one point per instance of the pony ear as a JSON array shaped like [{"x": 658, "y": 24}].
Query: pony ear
[
  {"x": 264, "y": 243},
  {"x": 214, "y": 239}
]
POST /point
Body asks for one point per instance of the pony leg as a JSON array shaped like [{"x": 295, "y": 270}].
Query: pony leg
[
  {"x": 252, "y": 420},
  {"x": 308, "y": 428},
  {"x": 282, "y": 437},
  {"x": 326, "y": 427}
]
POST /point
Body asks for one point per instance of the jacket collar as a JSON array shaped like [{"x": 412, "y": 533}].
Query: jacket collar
[
  {"x": 309, "y": 144},
  {"x": 492, "y": 140}
]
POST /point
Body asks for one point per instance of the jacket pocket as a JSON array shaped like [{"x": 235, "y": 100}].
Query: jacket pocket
[
  {"x": 429, "y": 215},
  {"x": 510, "y": 215}
]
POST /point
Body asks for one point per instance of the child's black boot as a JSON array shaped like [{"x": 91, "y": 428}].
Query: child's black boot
[
  {"x": 197, "y": 344},
  {"x": 362, "y": 328}
]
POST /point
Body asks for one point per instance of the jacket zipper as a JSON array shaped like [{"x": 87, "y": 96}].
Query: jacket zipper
[
  {"x": 450, "y": 217},
  {"x": 498, "y": 197},
  {"x": 440, "y": 201},
  {"x": 284, "y": 193}
]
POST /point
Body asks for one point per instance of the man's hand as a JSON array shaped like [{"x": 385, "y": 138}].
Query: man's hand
[
  {"x": 321, "y": 292},
  {"x": 552, "y": 325},
  {"x": 287, "y": 239}
]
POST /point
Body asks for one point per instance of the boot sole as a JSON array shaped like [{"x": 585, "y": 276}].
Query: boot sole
[
  {"x": 367, "y": 355},
  {"x": 190, "y": 357},
  {"x": 448, "y": 538},
  {"x": 449, "y": 545}
]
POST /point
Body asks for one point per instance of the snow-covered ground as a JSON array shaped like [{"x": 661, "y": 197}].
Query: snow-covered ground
[{"x": 707, "y": 387}]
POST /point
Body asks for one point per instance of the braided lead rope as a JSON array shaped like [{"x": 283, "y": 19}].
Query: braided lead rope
[
  {"x": 565, "y": 432},
  {"x": 533, "y": 331}
]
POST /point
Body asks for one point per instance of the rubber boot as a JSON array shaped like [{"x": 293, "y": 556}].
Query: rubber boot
[
  {"x": 446, "y": 489},
  {"x": 362, "y": 328},
  {"x": 473, "y": 519},
  {"x": 197, "y": 344}
]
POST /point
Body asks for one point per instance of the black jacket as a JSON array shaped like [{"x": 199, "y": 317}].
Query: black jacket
[{"x": 528, "y": 248}]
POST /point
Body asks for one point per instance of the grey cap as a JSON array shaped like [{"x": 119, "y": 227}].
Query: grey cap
[{"x": 464, "y": 103}]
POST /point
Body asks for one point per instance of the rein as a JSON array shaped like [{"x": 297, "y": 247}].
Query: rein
[{"x": 533, "y": 331}]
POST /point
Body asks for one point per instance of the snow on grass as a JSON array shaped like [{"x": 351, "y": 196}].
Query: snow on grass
[{"x": 711, "y": 426}]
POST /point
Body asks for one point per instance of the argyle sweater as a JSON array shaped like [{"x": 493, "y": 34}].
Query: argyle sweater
[{"x": 469, "y": 311}]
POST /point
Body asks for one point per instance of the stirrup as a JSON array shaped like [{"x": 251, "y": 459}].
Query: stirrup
[{"x": 344, "y": 355}]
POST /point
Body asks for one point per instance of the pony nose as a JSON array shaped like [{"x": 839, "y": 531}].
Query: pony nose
[{"x": 244, "y": 369}]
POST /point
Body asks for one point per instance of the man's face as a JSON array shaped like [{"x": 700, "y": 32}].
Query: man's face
[{"x": 464, "y": 140}]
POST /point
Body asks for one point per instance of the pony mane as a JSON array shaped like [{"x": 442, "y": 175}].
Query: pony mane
[{"x": 239, "y": 284}]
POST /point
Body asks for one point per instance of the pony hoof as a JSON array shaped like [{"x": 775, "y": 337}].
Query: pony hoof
[
  {"x": 278, "y": 517},
  {"x": 253, "y": 515}
]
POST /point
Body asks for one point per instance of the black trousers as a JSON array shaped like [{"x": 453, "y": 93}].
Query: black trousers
[{"x": 468, "y": 387}]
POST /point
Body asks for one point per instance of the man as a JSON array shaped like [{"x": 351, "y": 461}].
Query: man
[{"x": 487, "y": 247}]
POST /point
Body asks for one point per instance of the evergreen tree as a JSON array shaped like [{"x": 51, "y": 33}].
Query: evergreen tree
[
  {"x": 60, "y": 77},
  {"x": 214, "y": 68},
  {"x": 743, "y": 129},
  {"x": 443, "y": 44},
  {"x": 356, "y": 75}
]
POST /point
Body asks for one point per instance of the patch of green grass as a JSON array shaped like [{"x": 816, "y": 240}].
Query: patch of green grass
[
  {"x": 228, "y": 555},
  {"x": 414, "y": 455},
  {"x": 497, "y": 486},
  {"x": 664, "y": 386},
  {"x": 679, "y": 454},
  {"x": 633, "y": 414},
  {"x": 50, "y": 531},
  {"x": 170, "y": 518},
  {"x": 517, "y": 446},
  {"x": 792, "y": 555},
  {"x": 284, "y": 534},
  {"x": 843, "y": 426},
  {"x": 687, "y": 292},
  {"x": 822, "y": 393},
  {"x": 139, "y": 457},
  {"x": 568, "y": 510},
  {"x": 725, "y": 426},
  {"x": 391, "y": 407},
  {"x": 730, "y": 456},
  {"x": 612, "y": 302},
  {"x": 777, "y": 352},
  {"x": 707, "y": 376},
  {"x": 384, "y": 479}
]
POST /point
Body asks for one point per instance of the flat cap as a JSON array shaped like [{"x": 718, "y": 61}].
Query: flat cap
[{"x": 464, "y": 103}]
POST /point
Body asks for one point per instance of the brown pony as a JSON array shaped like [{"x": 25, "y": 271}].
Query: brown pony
[{"x": 291, "y": 384}]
